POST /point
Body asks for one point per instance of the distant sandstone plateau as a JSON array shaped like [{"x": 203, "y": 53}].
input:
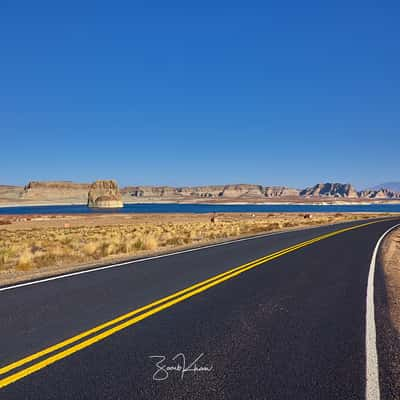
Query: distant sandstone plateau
[
  {"x": 331, "y": 190},
  {"x": 321, "y": 191},
  {"x": 107, "y": 194},
  {"x": 67, "y": 192}
]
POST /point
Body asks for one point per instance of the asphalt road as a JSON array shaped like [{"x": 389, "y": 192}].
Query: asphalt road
[{"x": 292, "y": 327}]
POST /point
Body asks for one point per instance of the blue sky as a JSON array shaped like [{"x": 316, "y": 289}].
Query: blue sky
[{"x": 182, "y": 93}]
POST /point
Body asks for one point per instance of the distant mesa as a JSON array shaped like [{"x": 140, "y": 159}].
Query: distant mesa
[
  {"x": 105, "y": 194},
  {"x": 55, "y": 191},
  {"x": 341, "y": 190},
  {"x": 235, "y": 191},
  {"x": 379, "y": 194},
  {"x": 321, "y": 191},
  {"x": 280, "y": 191},
  {"x": 242, "y": 190}
]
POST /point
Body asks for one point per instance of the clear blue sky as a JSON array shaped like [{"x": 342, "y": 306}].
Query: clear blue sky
[{"x": 180, "y": 93}]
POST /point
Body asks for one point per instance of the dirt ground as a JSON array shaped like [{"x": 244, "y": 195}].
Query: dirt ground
[
  {"x": 22, "y": 222},
  {"x": 391, "y": 264}
]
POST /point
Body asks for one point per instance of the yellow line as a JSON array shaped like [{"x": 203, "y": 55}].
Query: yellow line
[
  {"x": 159, "y": 305},
  {"x": 98, "y": 328},
  {"x": 121, "y": 318}
]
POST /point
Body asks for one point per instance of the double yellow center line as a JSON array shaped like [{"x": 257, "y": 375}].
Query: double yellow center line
[{"x": 64, "y": 349}]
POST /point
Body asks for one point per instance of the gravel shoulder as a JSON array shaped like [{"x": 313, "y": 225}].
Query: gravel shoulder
[
  {"x": 391, "y": 266},
  {"x": 387, "y": 310}
]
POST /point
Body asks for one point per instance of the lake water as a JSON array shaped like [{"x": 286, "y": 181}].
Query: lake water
[{"x": 203, "y": 208}]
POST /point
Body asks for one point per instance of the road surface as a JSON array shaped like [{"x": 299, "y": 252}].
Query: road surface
[{"x": 280, "y": 316}]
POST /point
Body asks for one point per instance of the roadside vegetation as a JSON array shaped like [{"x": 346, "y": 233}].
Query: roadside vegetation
[{"x": 32, "y": 247}]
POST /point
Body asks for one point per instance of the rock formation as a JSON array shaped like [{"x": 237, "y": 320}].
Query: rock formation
[
  {"x": 55, "y": 191},
  {"x": 105, "y": 194},
  {"x": 212, "y": 191},
  {"x": 280, "y": 191},
  {"x": 149, "y": 191},
  {"x": 331, "y": 190},
  {"x": 246, "y": 191},
  {"x": 379, "y": 194},
  {"x": 242, "y": 190}
]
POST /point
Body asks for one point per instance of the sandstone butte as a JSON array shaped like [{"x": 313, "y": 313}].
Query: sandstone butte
[{"x": 105, "y": 194}]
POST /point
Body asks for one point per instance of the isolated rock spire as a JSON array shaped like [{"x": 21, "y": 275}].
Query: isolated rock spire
[{"x": 105, "y": 194}]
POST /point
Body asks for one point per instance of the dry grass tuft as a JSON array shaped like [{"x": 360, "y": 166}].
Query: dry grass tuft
[
  {"x": 90, "y": 248},
  {"x": 25, "y": 260}
]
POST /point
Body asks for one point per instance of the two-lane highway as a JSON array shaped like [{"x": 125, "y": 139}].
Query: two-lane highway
[{"x": 274, "y": 317}]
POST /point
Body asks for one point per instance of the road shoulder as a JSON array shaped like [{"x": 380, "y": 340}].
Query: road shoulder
[{"x": 388, "y": 315}]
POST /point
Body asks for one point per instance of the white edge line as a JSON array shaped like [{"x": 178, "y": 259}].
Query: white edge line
[
  {"x": 372, "y": 388},
  {"x": 105, "y": 267}
]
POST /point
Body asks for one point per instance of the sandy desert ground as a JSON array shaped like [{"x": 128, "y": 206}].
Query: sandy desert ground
[{"x": 40, "y": 245}]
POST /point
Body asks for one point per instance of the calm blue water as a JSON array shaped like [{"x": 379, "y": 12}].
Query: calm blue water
[{"x": 201, "y": 208}]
